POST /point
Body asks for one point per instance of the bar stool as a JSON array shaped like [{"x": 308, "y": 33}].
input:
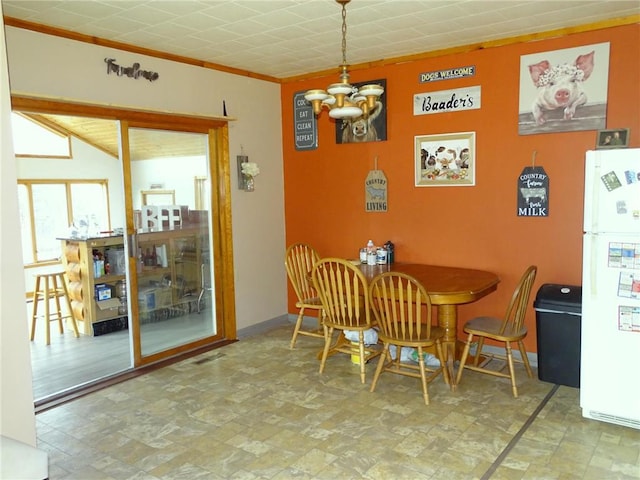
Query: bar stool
[{"x": 51, "y": 286}]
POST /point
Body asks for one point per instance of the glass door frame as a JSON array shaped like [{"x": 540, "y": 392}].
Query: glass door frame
[{"x": 217, "y": 131}]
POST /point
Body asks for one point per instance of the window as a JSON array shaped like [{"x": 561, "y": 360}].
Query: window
[
  {"x": 48, "y": 209},
  {"x": 31, "y": 139}
]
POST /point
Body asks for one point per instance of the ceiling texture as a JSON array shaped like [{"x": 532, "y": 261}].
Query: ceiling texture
[
  {"x": 283, "y": 39},
  {"x": 288, "y": 38}
]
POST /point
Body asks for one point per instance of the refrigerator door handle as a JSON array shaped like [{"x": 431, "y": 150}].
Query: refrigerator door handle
[
  {"x": 593, "y": 290},
  {"x": 595, "y": 194}
]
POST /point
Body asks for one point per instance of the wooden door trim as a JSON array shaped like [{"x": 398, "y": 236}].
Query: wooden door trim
[{"x": 217, "y": 131}]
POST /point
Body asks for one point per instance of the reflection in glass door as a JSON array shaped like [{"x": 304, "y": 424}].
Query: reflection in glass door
[{"x": 171, "y": 287}]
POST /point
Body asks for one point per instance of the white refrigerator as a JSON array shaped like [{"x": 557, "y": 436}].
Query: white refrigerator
[{"x": 610, "y": 349}]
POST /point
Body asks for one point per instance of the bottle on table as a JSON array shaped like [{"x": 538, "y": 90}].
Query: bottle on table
[{"x": 371, "y": 253}]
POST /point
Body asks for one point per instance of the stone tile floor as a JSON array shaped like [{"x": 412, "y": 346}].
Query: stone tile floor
[{"x": 258, "y": 410}]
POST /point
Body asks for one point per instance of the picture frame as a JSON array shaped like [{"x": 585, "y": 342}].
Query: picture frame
[
  {"x": 359, "y": 130},
  {"x": 444, "y": 160},
  {"x": 612, "y": 138}
]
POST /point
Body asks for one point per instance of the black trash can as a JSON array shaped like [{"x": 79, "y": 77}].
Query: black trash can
[{"x": 558, "y": 323}]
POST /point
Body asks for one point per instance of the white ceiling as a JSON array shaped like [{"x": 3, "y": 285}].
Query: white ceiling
[{"x": 286, "y": 38}]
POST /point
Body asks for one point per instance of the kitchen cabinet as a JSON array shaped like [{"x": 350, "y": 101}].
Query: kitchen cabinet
[
  {"x": 92, "y": 284},
  {"x": 169, "y": 271}
]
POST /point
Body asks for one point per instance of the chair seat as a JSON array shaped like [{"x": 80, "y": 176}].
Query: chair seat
[
  {"x": 314, "y": 302},
  {"x": 359, "y": 324},
  {"x": 489, "y": 327},
  {"x": 424, "y": 339}
]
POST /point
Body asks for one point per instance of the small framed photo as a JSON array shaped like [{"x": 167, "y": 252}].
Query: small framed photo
[
  {"x": 614, "y": 138},
  {"x": 447, "y": 159}
]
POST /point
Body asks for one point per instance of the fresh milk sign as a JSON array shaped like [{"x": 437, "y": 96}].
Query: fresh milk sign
[
  {"x": 456, "y": 100},
  {"x": 533, "y": 193}
]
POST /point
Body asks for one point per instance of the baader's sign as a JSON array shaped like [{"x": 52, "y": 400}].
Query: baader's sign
[
  {"x": 449, "y": 74},
  {"x": 456, "y": 100}
]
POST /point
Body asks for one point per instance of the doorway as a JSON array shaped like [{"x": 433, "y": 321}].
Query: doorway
[{"x": 193, "y": 259}]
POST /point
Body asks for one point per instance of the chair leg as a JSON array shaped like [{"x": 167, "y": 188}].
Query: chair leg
[
  {"x": 47, "y": 312},
  {"x": 383, "y": 355},
  {"x": 423, "y": 376},
  {"x": 362, "y": 357},
  {"x": 34, "y": 314},
  {"x": 444, "y": 366},
  {"x": 512, "y": 374},
  {"x": 476, "y": 359},
  {"x": 525, "y": 359},
  {"x": 463, "y": 358},
  {"x": 57, "y": 290},
  {"x": 328, "y": 333},
  {"x": 296, "y": 329},
  {"x": 74, "y": 323}
]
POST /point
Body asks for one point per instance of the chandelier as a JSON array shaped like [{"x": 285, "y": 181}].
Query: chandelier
[{"x": 342, "y": 99}]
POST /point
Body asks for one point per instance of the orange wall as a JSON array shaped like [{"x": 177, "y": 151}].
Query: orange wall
[{"x": 475, "y": 226}]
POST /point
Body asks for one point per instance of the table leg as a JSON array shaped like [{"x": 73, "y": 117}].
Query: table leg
[{"x": 448, "y": 319}]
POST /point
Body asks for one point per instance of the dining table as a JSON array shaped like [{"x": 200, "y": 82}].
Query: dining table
[{"x": 447, "y": 287}]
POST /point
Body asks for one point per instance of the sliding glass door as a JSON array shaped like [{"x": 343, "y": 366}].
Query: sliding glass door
[
  {"x": 167, "y": 185},
  {"x": 165, "y": 240}
]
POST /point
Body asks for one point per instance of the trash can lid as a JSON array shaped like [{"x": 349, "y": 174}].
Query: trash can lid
[{"x": 559, "y": 298}]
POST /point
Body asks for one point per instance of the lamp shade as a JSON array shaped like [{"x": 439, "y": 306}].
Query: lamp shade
[{"x": 345, "y": 112}]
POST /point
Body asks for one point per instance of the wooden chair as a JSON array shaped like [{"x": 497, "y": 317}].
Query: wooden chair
[
  {"x": 299, "y": 260},
  {"x": 344, "y": 293},
  {"x": 509, "y": 329},
  {"x": 402, "y": 309}
]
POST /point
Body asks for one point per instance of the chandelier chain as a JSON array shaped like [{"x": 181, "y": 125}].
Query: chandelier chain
[{"x": 344, "y": 33}]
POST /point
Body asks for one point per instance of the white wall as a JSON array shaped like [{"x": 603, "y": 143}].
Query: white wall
[
  {"x": 175, "y": 173},
  {"x": 17, "y": 418},
  {"x": 48, "y": 66}
]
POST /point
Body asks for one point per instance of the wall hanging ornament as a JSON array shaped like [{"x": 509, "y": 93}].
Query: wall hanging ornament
[
  {"x": 533, "y": 191},
  {"x": 375, "y": 190},
  {"x": 247, "y": 171}
]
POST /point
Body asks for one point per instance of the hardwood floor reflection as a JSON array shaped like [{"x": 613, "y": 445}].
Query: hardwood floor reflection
[{"x": 69, "y": 362}]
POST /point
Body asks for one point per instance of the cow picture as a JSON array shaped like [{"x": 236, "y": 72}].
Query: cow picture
[
  {"x": 370, "y": 129},
  {"x": 445, "y": 159}
]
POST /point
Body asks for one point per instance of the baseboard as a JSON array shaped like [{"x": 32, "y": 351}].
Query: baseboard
[
  {"x": 533, "y": 357},
  {"x": 262, "y": 327}
]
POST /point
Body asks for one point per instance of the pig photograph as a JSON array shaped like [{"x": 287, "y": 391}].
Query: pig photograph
[{"x": 564, "y": 90}]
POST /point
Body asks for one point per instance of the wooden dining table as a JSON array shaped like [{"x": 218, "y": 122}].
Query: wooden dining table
[{"x": 447, "y": 287}]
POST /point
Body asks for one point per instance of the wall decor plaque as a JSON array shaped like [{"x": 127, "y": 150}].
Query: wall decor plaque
[
  {"x": 533, "y": 192},
  {"x": 305, "y": 128},
  {"x": 375, "y": 191}
]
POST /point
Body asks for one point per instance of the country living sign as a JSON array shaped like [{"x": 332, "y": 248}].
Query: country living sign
[
  {"x": 134, "y": 71},
  {"x": 533, "y": 193},
  {"x": 304, "y": 123},
  {"x": 375, "y": 191},
  {"x": 442, "y": 101},
  {"x": 448, "y": 74}
]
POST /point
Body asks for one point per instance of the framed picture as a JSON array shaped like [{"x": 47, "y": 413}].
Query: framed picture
[
  {"x": 564, "y": 90},
  {"x": 371, "y": 129},
  {"x": 616, "y": 138},
  {"x": 446, "y": 159}
]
